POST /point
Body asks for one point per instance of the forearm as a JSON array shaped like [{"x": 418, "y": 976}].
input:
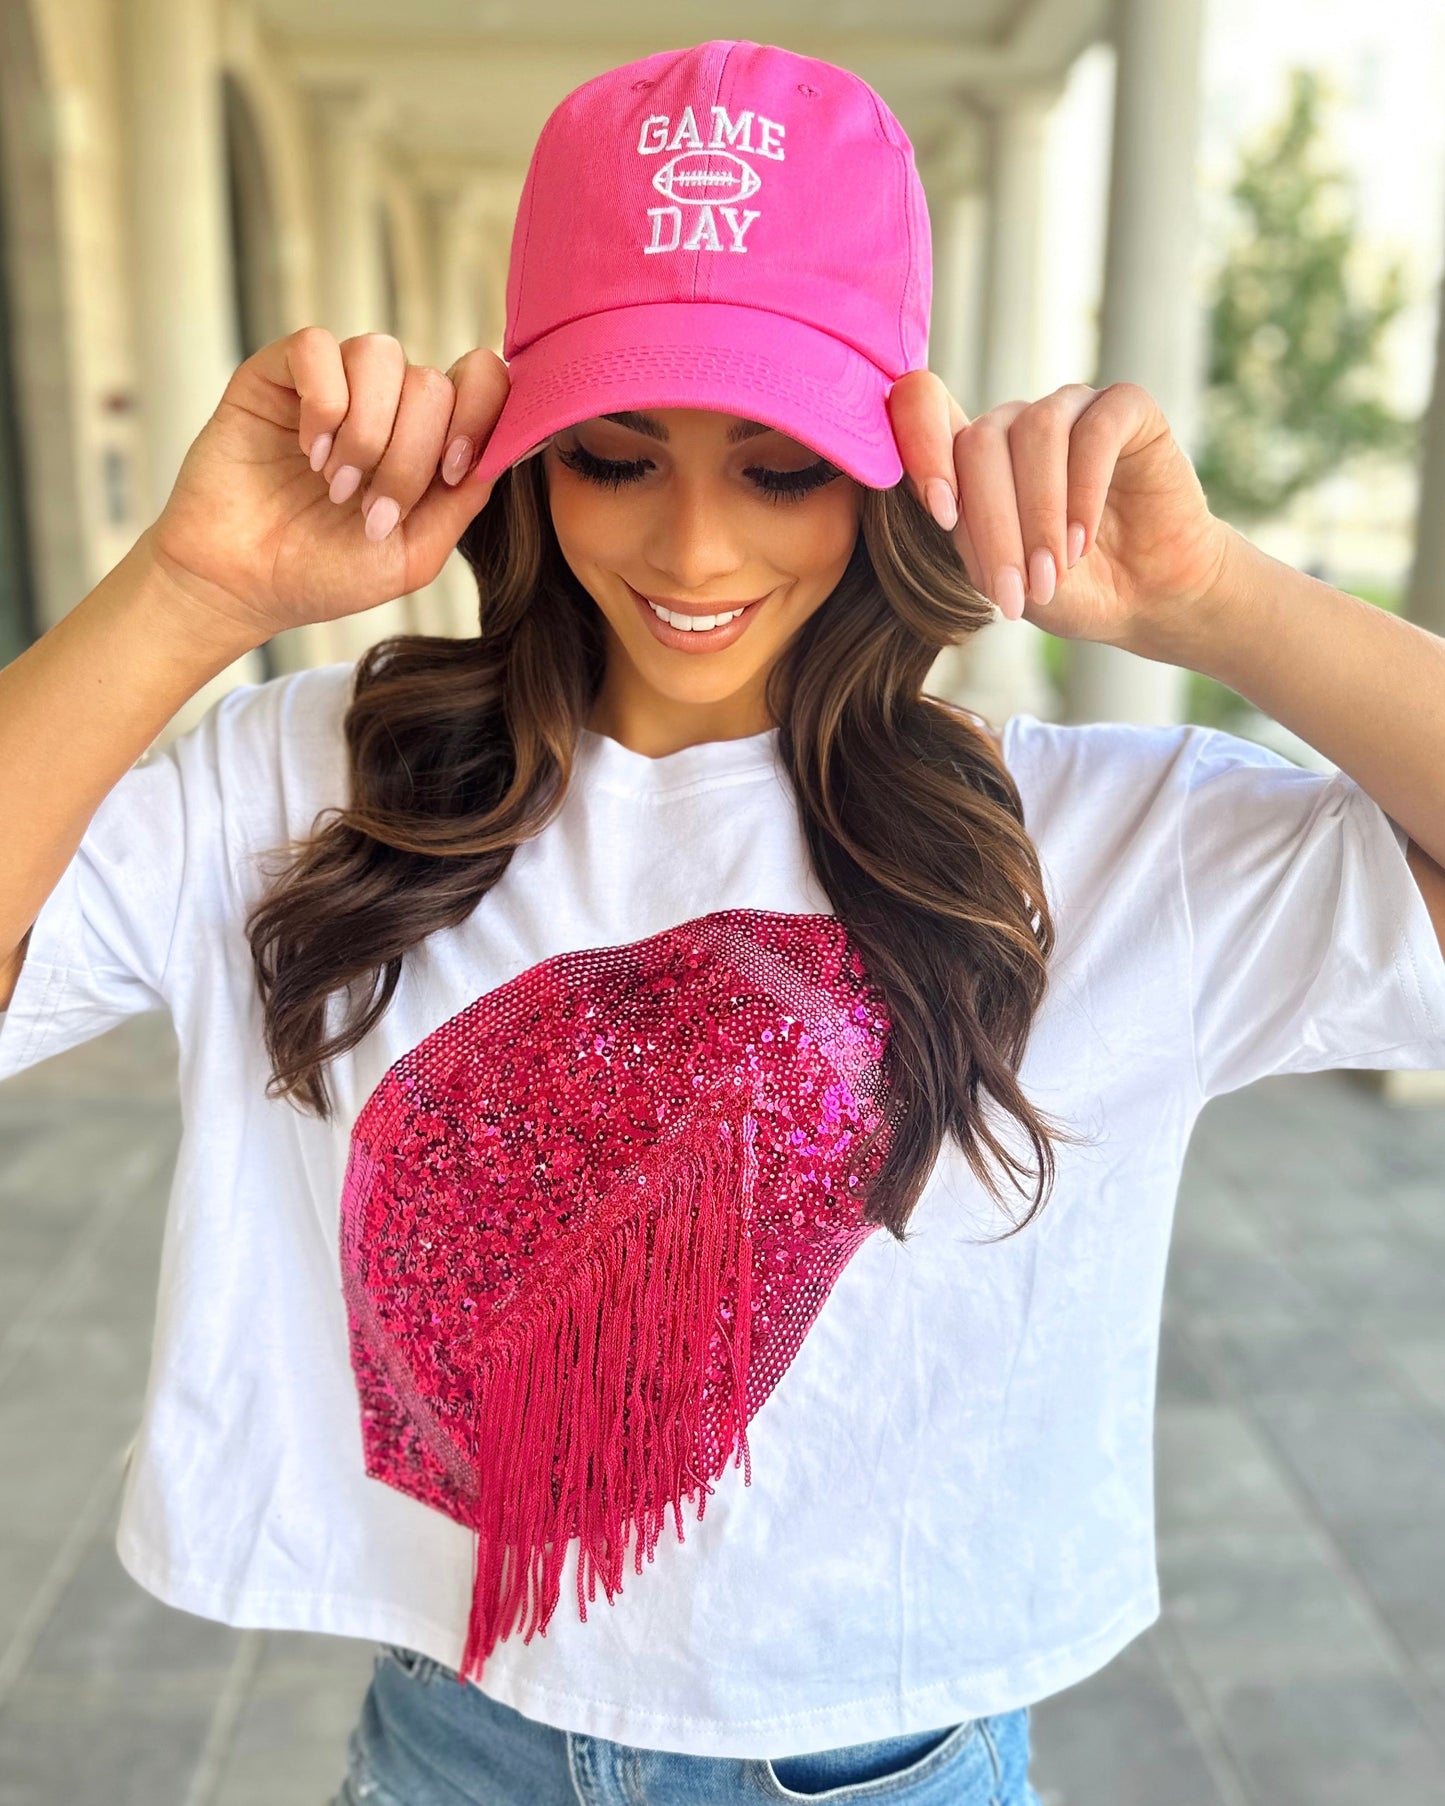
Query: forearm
[
  {"x": 77, "y": 709},
  {"x": 1359, "y": 684}
]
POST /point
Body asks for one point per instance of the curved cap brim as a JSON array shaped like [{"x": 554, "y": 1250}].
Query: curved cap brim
[{"x": 701, "y": 354}]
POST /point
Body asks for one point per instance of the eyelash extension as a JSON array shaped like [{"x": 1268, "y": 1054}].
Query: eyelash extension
[{"x": 776, "y": 485}]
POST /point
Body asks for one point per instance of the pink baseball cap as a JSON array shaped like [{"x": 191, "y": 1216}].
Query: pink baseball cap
[{"x": 730, "y": 226}]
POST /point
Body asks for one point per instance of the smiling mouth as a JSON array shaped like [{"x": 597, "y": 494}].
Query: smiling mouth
[
  {"x": 692, "y": 623},
  {"x": 697, "y": 620}
]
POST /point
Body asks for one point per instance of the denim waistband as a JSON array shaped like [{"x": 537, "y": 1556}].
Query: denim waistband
[{"x": 423, "y": 1739}]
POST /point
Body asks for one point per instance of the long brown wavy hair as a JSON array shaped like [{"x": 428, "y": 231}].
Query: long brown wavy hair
[{"x": 460, "y": 749}]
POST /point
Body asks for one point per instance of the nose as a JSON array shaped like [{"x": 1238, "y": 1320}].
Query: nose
[{"x": 692, "y": 545}]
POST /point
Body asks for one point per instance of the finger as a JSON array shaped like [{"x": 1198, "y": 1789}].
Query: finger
[
  {"x": 1039, "y": 444},
  {"x": 926, "y": 420},
  {"x": 440, "y": 518},
  {"x": 481, "y": 383},
  {"x": 375, "y": 367},
  {"x": 963, "y": 544},
  {"x": 962, "y": 540},
  {"x": 307, "y": 388},
  {"x": 409, "y": 462},
  {"x": 989, "y": 504},
  {"x": 1118, "y": 415}
]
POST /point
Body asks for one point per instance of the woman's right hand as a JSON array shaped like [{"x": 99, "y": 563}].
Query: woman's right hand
[{"x": 251, "y": 529}]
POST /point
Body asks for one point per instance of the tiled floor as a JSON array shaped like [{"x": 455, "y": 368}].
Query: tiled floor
[{"x": 1300, "y": 1660}]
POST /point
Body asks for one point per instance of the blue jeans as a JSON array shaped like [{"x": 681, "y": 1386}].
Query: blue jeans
[{"x": 423, "y": 1740}]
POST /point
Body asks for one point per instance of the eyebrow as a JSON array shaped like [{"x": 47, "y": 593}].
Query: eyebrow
[{"x": 654, "y": 429}]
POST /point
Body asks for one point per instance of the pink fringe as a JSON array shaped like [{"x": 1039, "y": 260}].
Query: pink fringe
[{"x": 594, "y": 1409}]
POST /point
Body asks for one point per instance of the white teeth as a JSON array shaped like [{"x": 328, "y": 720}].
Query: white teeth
[{"x": 691, "y": 623}]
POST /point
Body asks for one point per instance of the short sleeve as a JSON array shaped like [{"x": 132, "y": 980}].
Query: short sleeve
[
  {"x": 1311, "y": 946},
  {"x": 165, "y": 845},
  {"x": 98, "y": 947}
]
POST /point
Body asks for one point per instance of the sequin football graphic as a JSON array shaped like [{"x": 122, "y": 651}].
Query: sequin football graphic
[{"x": 585, "y": 1227}]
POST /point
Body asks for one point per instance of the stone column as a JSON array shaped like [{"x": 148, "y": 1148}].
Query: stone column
[
  {"x": 955, "y": 338},
  {"x": 415, "y": 318},
  {"x": 1000, "y": 671},
  {"x": 494, "y": 243},
  {"x": 1151, "y": 326},
  {"x": 414, "y": 321},
  {"x": 953, "y": 179},
  {"x": 448, "y": 604},
  {"x": 351, "y": 272},
  {"x": 184, "y": 312},
  {"x": 954, "y": 174},
  {"x": 349, "y": 213},
  {"x": 457, "y": 215}
]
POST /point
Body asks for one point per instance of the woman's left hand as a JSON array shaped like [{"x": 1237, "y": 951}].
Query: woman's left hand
[{"x": 1028, "y": 476}]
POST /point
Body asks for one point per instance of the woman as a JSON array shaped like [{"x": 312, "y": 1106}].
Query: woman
[{"x": 564, "y": 1010}]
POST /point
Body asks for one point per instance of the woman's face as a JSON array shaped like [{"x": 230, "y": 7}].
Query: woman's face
[{"x": 701, "y": 512}]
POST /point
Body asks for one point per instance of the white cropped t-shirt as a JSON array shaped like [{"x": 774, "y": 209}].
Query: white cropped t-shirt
[{"x": 582, "y": 1226}]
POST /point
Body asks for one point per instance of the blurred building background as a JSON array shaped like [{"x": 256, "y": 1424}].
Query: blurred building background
[{"x": 182, "y": 181}]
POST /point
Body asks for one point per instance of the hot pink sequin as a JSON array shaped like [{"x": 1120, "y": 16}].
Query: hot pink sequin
[{"x": 585, "y": 1227}]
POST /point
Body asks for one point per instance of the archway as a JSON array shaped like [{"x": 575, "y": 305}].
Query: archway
[{"x": 252, "y": 220}]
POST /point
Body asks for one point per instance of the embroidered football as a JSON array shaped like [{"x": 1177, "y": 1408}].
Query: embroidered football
[{"x": 706, "y": 175}]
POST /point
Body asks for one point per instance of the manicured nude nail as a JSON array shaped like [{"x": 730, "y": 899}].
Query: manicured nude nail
[
  {"x": 1008, "y": 591},
  {"x": 343, "y": 484},
  {"x": 320, "y": 450},
  {"x": 1076, "y": 542},
  {"x": 1043, "y": 576},
  {"x": 381, "y": 517},
  {"x": 458, "y": 458},
  {"x": 941, "y": 504}
]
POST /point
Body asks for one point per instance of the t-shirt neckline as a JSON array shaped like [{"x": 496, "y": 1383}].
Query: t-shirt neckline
[{"x": 602, "y": 760}]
